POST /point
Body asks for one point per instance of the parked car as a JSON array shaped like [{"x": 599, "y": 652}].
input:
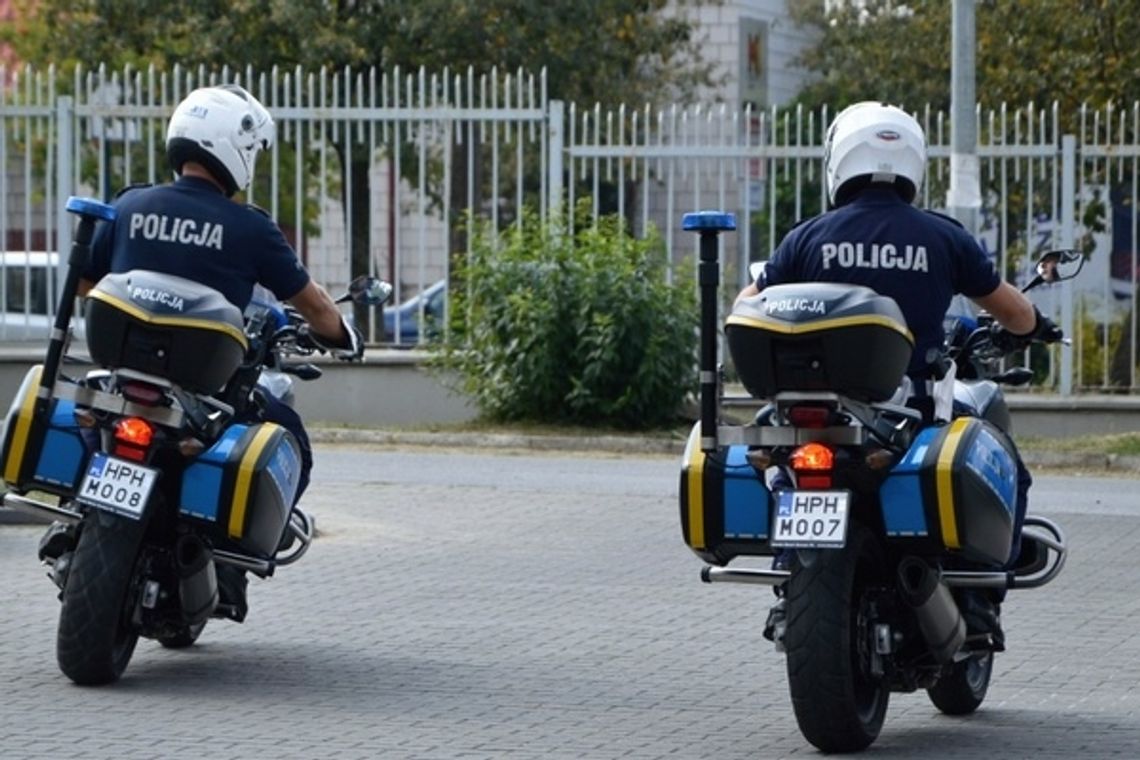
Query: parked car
[
  {"x": 407, "y": 315},
  {"x": 28, "y": 306}
]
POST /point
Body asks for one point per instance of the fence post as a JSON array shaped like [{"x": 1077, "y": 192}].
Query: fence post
[
  {"x": 555, "y": 124},
  {"x": 1068, "y": 237},
  {"x": 64, "y": 169}
]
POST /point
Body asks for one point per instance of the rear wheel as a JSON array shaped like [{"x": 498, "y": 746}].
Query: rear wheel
[
  {"x": 962, "y": 688},
  {"x": 96, "y": 639},
  {"x": 839, "y": 702}
]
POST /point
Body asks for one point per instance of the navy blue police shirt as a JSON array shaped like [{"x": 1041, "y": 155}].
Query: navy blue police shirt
[
  {"x": 191, "y": 229},
  {"x": 918, "y": 258}
]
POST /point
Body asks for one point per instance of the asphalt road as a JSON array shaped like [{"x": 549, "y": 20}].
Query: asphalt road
[{"x": 495, "y": 605}]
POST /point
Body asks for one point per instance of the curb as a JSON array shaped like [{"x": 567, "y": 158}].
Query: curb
[{"x": 457, "y": 440}]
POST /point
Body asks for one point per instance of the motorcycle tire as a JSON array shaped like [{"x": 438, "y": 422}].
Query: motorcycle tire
[
  {"x": 184, "y": 637},
  {"x": 96, "y": 638},
  {"x": 962, "y": 688},
  {"x": 839, "y": 703}
]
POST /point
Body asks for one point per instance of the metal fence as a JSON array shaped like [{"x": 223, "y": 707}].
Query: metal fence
[{"x": 397, "y": 165}]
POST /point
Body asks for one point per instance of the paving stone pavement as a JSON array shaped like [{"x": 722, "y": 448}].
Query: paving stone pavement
[{"x": 509, "y": 605}]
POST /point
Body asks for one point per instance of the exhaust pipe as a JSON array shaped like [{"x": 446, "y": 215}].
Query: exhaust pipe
[
  {"x": 938, "y": 616},
  {"x": 197, "y": 579}
]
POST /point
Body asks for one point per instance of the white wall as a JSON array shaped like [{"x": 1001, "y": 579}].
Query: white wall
[{"x": 722, "y": 25}]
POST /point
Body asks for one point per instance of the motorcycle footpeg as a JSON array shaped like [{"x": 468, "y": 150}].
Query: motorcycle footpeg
[{"x": 59, "y": 539}]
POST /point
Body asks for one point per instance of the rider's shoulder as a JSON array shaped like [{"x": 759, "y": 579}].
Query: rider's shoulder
[
  {"x": 131, "y": 188},
  {"x": 258, "y": 209},
  {"x": 944, "y": 217},
  {"x": 802, "y": 222}
]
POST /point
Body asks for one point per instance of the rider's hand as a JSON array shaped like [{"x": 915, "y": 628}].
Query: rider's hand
[
  {"x": 1047, "y": 330},
  {"x": 306, "y": 338},
  {"x": 1044, "y": 330},
  {"x": 355, "y": 350}
]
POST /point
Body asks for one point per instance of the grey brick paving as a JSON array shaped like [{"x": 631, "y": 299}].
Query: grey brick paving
[{"x": 461, "y": 605}]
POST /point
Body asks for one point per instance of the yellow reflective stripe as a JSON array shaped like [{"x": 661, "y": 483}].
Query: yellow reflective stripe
[
  {"x": 245, "y": 477},
  {"x": 944, "y": 478},
  {"x": 23, "y": 425},
  {"x": 823, "y": 324},
  {"x": 144, "y": 316},
  {"x": 695, "y": 481}
]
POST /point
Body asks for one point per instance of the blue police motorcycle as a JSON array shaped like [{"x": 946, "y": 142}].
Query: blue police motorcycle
[
  {"x": 156, "y": 468},
  {"x": 882, "y": 525}
]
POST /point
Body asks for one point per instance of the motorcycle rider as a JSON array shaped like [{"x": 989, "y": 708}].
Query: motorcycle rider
[
  {"x": 874, "y": 162},
  {"x": 192, "y": 228}
]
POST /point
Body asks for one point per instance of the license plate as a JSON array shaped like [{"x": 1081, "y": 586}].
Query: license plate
[
  {"x": 116, "y": 485},
  {"x": 811, "y": 519}
]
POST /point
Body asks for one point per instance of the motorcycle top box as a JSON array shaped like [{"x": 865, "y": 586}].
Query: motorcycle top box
[
  {"x": 819, "y": 337},
  {"x": 167, "y": 326}
]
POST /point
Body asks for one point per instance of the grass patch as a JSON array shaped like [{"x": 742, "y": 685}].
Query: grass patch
[
  {"x": 1122, "y": 444},
  {"x": 541, "y": 429}
]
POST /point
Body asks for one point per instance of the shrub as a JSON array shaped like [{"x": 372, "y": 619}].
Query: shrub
[{"x": 577, "y": 329}]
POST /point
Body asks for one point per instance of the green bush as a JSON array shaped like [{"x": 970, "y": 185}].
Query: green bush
[{"x": 577, "y": 329}]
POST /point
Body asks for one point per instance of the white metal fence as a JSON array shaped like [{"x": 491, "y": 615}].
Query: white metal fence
[{"x": 395, "y": 165}]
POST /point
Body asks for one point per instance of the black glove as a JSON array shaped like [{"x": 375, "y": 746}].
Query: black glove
[
  {"x": 1044, "y": 330},
  {"x": 352, "y": 352},
  {"x": 355, "y": 350}
]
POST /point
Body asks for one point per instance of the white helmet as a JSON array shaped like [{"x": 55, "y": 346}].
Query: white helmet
[
  {"x": 221, "y": 128},
  {"x": 879, "y": 142}
]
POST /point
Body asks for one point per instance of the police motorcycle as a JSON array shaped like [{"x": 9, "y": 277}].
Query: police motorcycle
[
  {"x": 154, "y": 468},
  {"x": 879, "y": 522}
]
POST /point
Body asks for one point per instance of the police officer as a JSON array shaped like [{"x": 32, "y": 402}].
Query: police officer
[
  {"x": 874, "y": 161},
  {"x": 192, "y": 228}
]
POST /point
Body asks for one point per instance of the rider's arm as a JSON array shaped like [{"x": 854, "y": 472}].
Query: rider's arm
[
  {"x": 319, "y": 310},
  {"x": 1010, "y": 308}
]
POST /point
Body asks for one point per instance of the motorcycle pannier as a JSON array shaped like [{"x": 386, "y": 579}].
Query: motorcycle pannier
[
  {"x": 167, "y": 326},
  {"x": 819, "y": 336},
  {"x": 244, "y": 486},
  {"x": 44, "y": 455},
  {"x": 725, "y": 504},
  {"x": 955, "y": 489}
]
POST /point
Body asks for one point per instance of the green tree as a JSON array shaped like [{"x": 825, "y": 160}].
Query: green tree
[
  {"x": 1069, "y": 51},
  {"x": 606, "y": 51}
]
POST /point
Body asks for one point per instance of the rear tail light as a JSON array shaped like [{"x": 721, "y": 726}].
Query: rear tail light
[
  {"x": 809, "y": 416},
  {"x": 142, "y": 393},
  {"x": 812, "y": 464},
  {"x": 133, "y": 436}
]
